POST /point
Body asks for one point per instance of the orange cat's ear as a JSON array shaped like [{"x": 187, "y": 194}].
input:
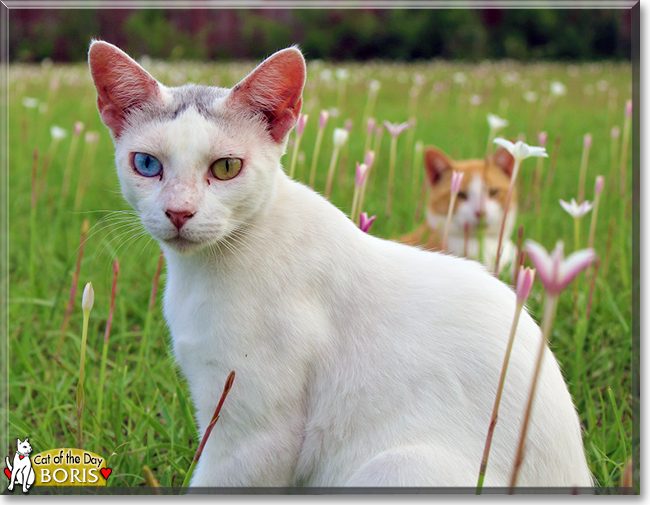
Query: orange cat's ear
[
  {"x": 435, "y": 163},
  {"x": 274, "y": 90},
  {"x": 504, "y": 160},
  {"x": 121, "y": 84}
]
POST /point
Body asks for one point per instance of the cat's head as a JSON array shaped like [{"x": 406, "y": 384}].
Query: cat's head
[
  {"x": 482, "y": 194},
  {"x": 24, "y": 447},
  {"x": 197, "y": 162}
]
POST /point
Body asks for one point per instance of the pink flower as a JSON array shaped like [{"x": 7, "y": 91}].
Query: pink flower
[
  {"x": 322, "y": 119},
  {"x": 524, "y": 283},
  {"x": 369, "y": 159},
  {"x": 600, "y": 183},
  {"x": 370, "y": 125},
  {"x": 361, "y": 174},
  {"x": 542, "y": 138},
  {"x": 348, "y": 125},
  {"x": 456, "y": 180},
  {"x": 555, "y": 272},
  {"x": 78, "y": 128},
  {"x": 396, "y": 129},
  {"x": 587, "y": 141},
  {"x": 628, "y": 108},
  {"x": 365, "y": 221},
  {"x": 300, "y": 125},
  {"x": 616, "y": 131}
]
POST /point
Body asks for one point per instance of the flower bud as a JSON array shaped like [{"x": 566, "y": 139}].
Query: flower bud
[{"x": 88, "y": 298}]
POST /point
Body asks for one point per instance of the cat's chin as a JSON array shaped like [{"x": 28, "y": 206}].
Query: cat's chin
[{"x": 183, "y": 245}]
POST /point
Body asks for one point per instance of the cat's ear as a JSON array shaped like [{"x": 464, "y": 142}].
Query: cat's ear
[
  {"x": 19, "y": 442},
  {"x": 504, "y": 160},
  {"x": 122, "y": 85},
  {"x": 435, "y": 163},
  {"x": 274, "y": 90}
]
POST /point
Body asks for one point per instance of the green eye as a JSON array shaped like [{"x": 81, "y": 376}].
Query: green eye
[{"x": 226, "y": 168}]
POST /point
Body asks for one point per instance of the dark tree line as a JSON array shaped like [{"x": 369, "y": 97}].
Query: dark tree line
[{"x": 338, "y": 34}]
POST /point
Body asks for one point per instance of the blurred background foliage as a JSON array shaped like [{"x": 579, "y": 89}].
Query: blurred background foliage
[{"x": 336, "y": 34}]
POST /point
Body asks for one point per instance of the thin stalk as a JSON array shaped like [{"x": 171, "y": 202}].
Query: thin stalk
[
  {"x": 391, "y": 174},
  {"x": 515, "y": 269},
  {"x": 107, "y": 333},
  {"x": 215, "y": 417},
  {"x": 294, "y": 156},
  {"x": 32, "y": 224},
  {"x": 550, "y": 308},
  {"x": 445, "y": 234},
  {"x": 80, "y": 385},
  {"x": 331, "y": 171},
  {"x": 505, "y": 216},
  {"x": 592, "y": 286},
  {"x": 314, "y": 160},
  {"x": 497, "y": 400},
  {"x": 576, "y": 245},
  {"x": 144, "y": 343},
  {"x": 583, "y": 173},
  {"x": 355, "y": 202},
  {"x": 624, "y": 146},
  {"x": 73, "y": 289}
]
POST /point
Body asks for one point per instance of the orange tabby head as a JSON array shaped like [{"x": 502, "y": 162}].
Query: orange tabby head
[{"x": 482, "y": 194}]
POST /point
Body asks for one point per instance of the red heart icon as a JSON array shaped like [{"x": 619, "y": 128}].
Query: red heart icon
[
  {"x": 106, "y": 472},
  {"x": 21, "y": 456},
  {"x": 8, "y": 473}
]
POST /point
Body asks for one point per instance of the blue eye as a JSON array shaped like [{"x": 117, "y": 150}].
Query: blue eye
[{"x": 146, "y": 165}]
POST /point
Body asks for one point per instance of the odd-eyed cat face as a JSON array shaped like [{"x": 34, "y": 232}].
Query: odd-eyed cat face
[
  {"x": 482, "y": 194},
  {"x": 23, "y": 447},
  {"x": 197, "y": 162}
]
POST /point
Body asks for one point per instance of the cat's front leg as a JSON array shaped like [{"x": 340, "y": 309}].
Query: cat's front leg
[{"x": 266, "y": 457}]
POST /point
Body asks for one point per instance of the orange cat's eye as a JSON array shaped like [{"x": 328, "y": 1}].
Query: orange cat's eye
[
  {"x": 462, "y": 195},
  {"x": 226, "y": 168},
  {"x": 493, "y": 192}
]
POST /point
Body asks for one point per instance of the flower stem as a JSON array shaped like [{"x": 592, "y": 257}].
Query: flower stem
[
  {"x": 215, "y": 417},
  {"x": 550, "y": 308},
  {"x": 445, "y": 234},
  {"x": 505, "y": 216},
  {"x": 391, "y": 174},
  {"x": 294, "y": 156},
  {"x": 497, "y": 401},
  {"x": 330, "y": 172},
  {"x": 314, "y": 160},
  {"x": 80, "y": 385}
]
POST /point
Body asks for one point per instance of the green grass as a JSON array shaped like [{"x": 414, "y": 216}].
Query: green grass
[{"x": 147, "y": 411}]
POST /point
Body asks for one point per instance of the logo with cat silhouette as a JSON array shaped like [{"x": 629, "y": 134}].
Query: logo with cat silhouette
[{"x": 21, "y": 472}]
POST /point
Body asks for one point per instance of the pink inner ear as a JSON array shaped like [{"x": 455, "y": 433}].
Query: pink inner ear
[
  {"x": 435, "y": 163},
  {"x": 121, "y": 84},
  {"x": 275, "y": 89},
  {"x": 504, "y": 160}
]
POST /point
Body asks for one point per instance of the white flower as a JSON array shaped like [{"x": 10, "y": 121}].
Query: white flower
[
  {"x": 577, "y": 211},
  {"x": 475, "y": 100},
  {"x": 460, "y": 77},
  {"x": 496, "y": 123},
  {"x": 88, "y": 298},
  {"x": 342, "y": 74},
  {"x": 57, "y": 132},
  {"x": 557, "y": 88},
  {"x": 530, "y": 96},
  {"x": 30, "y": 103},
  {"x": 520, "y": 151},
  {"x": 373, "y": 86},
  {"x": 340, "y": 137}
]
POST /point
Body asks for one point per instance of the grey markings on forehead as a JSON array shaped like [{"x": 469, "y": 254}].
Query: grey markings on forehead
[{"x": 202, "y": 98}]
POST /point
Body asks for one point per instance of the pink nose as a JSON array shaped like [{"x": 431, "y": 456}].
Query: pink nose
[{"x": 179, "y": 217}]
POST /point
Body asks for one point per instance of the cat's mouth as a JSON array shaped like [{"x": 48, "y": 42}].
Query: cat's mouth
[{"x": 182, "y": 244}]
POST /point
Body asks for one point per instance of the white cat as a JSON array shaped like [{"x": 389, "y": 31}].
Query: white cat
[
  {"x": 359, "y": 361},
  {"x": 21, "y": 471}
]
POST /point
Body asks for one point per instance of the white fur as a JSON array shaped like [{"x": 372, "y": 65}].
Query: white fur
[
  {"x": 359, "y": 361},
  {"x": 466, "y": 212}
]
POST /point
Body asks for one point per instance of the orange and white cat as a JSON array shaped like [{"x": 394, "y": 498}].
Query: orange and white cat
[
  {"x": 480, "y": 202},
  {"x": 359, "y": 361}
]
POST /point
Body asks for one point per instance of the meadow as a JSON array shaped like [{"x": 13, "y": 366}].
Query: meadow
[{"x": 63, "y": 190}]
